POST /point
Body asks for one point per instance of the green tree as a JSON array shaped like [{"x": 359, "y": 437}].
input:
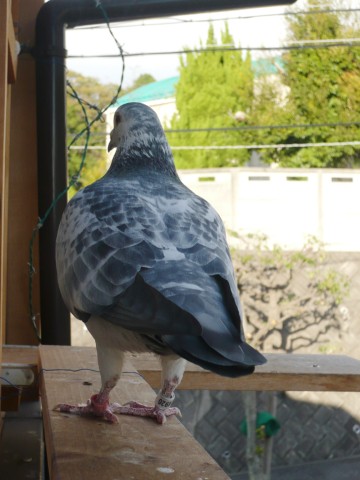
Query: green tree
[
  {"x": 323, "y": 87},
  {"x": 214, "y": 85},
  {"x": 97, "y": 95},
  {"x": 291, "y": 299}
]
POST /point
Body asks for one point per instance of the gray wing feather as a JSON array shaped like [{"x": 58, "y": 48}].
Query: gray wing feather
[
  {"x": 108, "y": 235},
  {"x": 152, "y": 256}
]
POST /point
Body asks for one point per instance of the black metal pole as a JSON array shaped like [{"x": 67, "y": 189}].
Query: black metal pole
[
  {"x": 52, "y": 20},
  {"x": 52, "y": 174}
]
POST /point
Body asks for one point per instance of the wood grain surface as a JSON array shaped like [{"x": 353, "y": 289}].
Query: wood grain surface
[
  {"x": 136, "y": 448},
  {"x": 282, "y": 372}
]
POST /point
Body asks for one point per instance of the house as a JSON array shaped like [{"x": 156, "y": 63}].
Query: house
[{"x": 160, "y": 95}]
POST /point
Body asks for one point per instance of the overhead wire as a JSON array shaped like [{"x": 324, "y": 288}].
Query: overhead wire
[
  {"x": 277, "y": 146},
  {"x": 251, "y": 127},
  {"x": 264, "y": 127},
  {"x": 249, "y": 147},
  {"x": 298, "y": 45},
  {"x": 331, "y": 43},
  {"x": 181, "y": 21}
]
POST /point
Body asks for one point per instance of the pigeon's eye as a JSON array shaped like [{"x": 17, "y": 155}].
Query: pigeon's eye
[{"x": 117, "y": 119}]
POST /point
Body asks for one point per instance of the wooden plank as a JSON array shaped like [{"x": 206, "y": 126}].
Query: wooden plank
[
  {"x": 12, "y": 56},
  {"x": 136, "y": 448},
  {"x": 23, "y": 203},
  {"x": 21, "y": 354},
  {"x": 15, "y": 9},
  {"x": 4, "y": 7},
  {"x": 283, "y": 372}
]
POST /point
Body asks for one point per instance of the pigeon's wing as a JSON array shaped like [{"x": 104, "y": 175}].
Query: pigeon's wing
[
  {"x": 107, "y": 236},
  {"x": 201, "y": 281},
  {"x": 153, "y": 257}
]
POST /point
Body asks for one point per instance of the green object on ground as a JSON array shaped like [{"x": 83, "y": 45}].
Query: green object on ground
[{"x": 263, "y": 419}]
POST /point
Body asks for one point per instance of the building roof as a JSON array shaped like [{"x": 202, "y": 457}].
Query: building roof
[
  {"x": 151, "y": 91},
  {"x": 267, "y": 66},
  {"x": 166, "y": 88}
]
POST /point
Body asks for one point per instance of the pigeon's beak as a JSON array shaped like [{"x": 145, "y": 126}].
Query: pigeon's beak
[
  {"x": 110, "y": 146},
  {"x": 111, "y": 143}
]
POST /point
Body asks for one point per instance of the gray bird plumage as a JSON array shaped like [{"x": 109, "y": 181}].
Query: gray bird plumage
[{"x": 138, "y": 249}]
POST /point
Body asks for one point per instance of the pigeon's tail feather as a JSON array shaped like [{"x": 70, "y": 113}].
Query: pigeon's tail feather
[
  {"x": 231, "y": 371},
  {"x": 196, "y": 350}
]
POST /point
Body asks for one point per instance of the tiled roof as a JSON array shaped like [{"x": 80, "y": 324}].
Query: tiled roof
[
  {"x": 151, "y": 91},
  {"x": 166, "y": 88}
]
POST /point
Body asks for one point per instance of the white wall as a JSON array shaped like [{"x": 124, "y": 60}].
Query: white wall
[
  {"x": 165, "y": 108},
  {"x": 286, "y": 205}
]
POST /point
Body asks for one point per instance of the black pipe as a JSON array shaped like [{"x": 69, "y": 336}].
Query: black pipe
[{"x": 51, "y": 22}]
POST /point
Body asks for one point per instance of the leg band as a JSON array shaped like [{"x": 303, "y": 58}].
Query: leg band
[{"x": 163, "y": 402}]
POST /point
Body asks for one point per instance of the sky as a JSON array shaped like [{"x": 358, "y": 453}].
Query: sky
[{"x": 172, "y": 33}]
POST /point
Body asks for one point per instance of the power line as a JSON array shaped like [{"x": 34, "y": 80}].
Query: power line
[
  {"x": 263, "y": 127},
  {"x": 278, "y": 14},
  {"x": 268, "y": 146},
  {"x": 250, "y": 127},
  {"x": 325, "y": 41},
  {"x": 180, "y": 21},
  {"x": 332, "y": 43},
  {"x": 276, "y": 146}
]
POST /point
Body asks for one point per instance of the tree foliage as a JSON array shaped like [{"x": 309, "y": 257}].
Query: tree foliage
[
  {"x": 291, "y": 301},
  {"x": 313, "y": 86},
  {"x": 212, "y": 88},
  {"x": 98, "y": 95},
  {"x": 323, "y": 85}
]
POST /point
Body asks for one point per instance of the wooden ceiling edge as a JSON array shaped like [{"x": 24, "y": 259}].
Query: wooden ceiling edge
[{"x": 12, "y": 57}]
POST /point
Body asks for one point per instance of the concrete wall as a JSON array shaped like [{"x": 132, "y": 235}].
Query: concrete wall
[{"x": 287, "y": 205}]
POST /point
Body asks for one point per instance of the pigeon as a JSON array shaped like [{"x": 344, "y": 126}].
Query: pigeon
[{"x": 145, "y": 263}]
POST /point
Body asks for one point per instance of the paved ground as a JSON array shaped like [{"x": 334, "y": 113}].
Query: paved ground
[
  {"x": 311, "y": 431},
  {"x": 347, "y": 469}
]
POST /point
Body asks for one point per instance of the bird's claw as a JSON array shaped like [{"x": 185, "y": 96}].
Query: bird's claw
[
  {"x": 92, "y": 409},
  {"x": 138, "y": 409}
]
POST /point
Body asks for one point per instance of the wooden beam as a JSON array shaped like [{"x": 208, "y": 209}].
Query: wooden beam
[
  {"x": 23, "y": 203},
  {"x": 12, "y": 55},
  {"x": 15, "y": 8},
  {"x": 283, "y": 372},
  {"x": 21, "y": 354},
  {"x": 4, "y": 161},
  {"x": 137, "y": 448}
]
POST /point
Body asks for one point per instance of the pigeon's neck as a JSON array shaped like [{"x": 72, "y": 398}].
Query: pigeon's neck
[{"x": 148, "y": 151}]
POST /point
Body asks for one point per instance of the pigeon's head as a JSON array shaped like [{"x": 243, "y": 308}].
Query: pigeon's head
[{"x": 139, "y": 138}]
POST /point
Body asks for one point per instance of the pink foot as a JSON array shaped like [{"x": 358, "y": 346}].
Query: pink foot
[
  {"x": 93, "y": 408},
  {"x": 138, "y": 409}
]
